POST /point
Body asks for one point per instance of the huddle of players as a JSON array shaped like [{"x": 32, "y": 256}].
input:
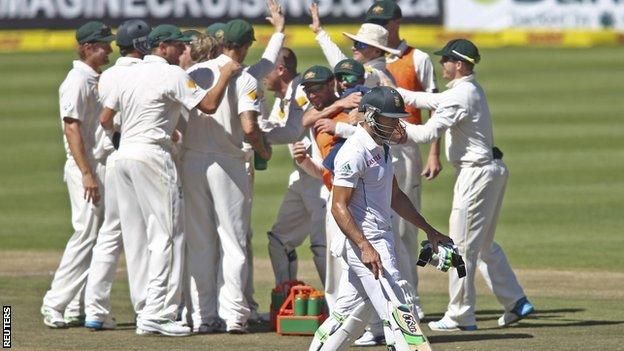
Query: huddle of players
[{"x": 199, "y": 250}]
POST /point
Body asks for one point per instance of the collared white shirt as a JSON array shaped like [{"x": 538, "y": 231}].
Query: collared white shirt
[
  {"x": 284, "y": 124},
  {"x": 221, "y": 132},
  {"x": 150, "y": 100},
  {"x": 462, "y": 111},
  {"x": 79, "y": 100},
  {"x": 366, "y": 166}
]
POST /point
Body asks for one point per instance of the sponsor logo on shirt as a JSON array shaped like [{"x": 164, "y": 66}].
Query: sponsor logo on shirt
[
  {"x": 191, "y": 84},
  {"x": 345, "y": 169},
  {"x": 373, "y": 160},
  {"x": 253, "y": 95},
  {"x": 301, "y": 101}
]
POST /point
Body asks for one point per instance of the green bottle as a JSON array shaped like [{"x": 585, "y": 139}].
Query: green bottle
[
  {"x": 260, "y": 164},
  {"x": 301, "y": 305},
  {"x": 314, "y": 305}
]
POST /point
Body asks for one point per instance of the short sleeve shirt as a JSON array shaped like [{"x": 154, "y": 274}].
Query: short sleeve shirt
[
  {"x": 221, "y": 132},
  {"x": 366, "y": 166},
  {"x": 151, "y": 99},
  {"x": 78, "y": 100}
]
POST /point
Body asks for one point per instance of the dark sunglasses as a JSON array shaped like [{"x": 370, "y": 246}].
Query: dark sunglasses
[
  {"x": 358, "y": 45},
  {"x": 347, "y": 78},
  {"x": 313, "y": 88}
]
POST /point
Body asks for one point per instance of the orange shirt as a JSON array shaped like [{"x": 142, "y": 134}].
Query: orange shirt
[
  {"x": 326, "y": 142},
  {"x": 404, "y": 73}
]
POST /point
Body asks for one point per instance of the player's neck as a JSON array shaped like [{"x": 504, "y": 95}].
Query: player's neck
[
  {"x": 92, "y": 64},
  {"x": 234, "y": 55},
  {"x": 284, "y": 83},
  {"x": 394, "y": 39}
]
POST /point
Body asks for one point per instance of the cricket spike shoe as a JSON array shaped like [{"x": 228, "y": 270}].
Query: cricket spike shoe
[
  {"x": 165, "y": 327},
  {"x": 53, "y": 318},
  {"x": 109, "y": 323},
  {"x": 521, "y": 309},
  {"x": 446, "y": 324}
]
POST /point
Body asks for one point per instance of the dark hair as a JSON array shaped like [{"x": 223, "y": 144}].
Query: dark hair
[
  {"x": 287, "y": 58},
  {"x": 126, "y": 50},
  {"x": 230, "y": 45}
]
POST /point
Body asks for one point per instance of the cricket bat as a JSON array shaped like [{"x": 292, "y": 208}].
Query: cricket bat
[{"x": 407, "y": 332}]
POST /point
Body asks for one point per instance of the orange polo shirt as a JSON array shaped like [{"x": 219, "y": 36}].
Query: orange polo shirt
[
  {"x": 404, "y": 73},
  {"x": 326, "y": 142}
]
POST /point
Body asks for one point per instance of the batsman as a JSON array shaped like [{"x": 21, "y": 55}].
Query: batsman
[{"x": 364, "y": 194}]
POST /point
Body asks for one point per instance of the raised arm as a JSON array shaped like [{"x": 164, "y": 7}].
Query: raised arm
[
  {"x": 267, "y": 62},
  {"x": 332, "y": 52}
]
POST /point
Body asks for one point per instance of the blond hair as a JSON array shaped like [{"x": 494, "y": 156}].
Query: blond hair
[{"x": 203, "y": 47}]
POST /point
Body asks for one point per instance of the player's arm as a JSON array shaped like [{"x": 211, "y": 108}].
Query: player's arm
[
  {"x": 402, "y": 205},
  {"x": 290, "y": 131},
  {"x": 311, "y": 166},
  {"x": 332, "y": 52},
  {"x": 420, "y": 99},
  {"x": 341, "y": 196},
  {"x": 433, "y": 166},
  {"x": 266, "y": 64},
  {"x": 213, "y": 97},
  {"x": 312, "y": 114},
  {"x": 253, "y": 134},
  {"x": 447, "y": 114},
  {"x": 76, "y": 146}
]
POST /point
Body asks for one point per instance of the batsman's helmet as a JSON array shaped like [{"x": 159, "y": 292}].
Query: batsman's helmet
[
  {"x": 383, "y": 102},
  {"x": 133, "y": 34}
]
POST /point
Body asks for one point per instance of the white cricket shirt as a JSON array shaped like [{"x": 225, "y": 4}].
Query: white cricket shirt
[
  {"x": 79, "y": 100},
  {"x": 366, "y": 166},
  {"x": 221, "y": 132},
  {"x": 462, "y": 111},
  {"x": 150, "y": 100}
]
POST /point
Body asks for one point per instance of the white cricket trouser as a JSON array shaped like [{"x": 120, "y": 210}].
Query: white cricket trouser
[
  {"x": 357, "y": 282},
  {"x": 301, "y": 213},
  {"x": 407, "y": 165},
  {"x": 249, "y": 286},
  {"x": 477, "y": 199},
  {"x": 150, "y": 202},
  {"x": 218, "y": 207},
  {"x": 106, "y": 256},
  {"x": 71, "y": 275},
  {"x": 333, "y": 265}
]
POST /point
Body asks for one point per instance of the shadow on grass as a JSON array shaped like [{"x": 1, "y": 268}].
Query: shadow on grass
[
  {"x": 464, "y": 337},
  {"x": 488, "y": 315},
  {"x": 257, "y": 328}
]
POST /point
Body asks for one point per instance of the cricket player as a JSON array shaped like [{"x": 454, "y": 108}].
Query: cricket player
[
  {"x": 364, "y": 195},
  {"x": 302, "y": 211},
  {"x": 217, "y": 184},
  {"x": 84, "y": 174},
  {"x": 462, "y": 112},
  {"x": 369, "y": 48},
  {"x": 150, "y": 101},
  {"x": 133, "y": 45}
]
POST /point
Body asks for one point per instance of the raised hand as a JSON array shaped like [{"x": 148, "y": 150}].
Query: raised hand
[
  {"x": 276, "y": 16},
  {"x": 316, "y": 20}
]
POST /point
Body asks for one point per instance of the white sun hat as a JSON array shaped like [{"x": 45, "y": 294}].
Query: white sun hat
[{"x": 373, "y": 35}]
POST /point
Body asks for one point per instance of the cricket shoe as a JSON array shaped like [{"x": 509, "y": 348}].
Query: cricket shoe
[
  {"x": 165, "y": 327},
  {"x": 446, "y": 324},
  {"x": 370, "y": 339},
  {"x": 216, "y": 326},
  {"x": 236, "y": 328},
  {"x": 109, "y": 323},
  {"x": 53, "y": 318},
  {"x": 75, "y": 321},
  {"x": 521, "y": 309}
]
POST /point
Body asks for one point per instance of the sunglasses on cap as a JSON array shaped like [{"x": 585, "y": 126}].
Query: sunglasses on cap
[
  {"x": 347, "y": 78},
  {"x": 313, "y": 88},
  {"x": 358, "y": 45}
]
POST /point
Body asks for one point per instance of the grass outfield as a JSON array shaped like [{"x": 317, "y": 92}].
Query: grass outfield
[{"x": 557, "y": 117}]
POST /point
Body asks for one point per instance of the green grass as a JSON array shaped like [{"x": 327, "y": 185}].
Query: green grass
[{"x": 557, "y": 117}]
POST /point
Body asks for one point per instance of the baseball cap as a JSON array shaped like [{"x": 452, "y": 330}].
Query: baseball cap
[
  {"x": 166, "y": 32},
  {"x": 238, "y": 31},
  {"x": 385, "y": 99},
  {"x": 460, "y": 49},
  {"x": 130, "y": 31},
  {"x": 349, "y": 66},
  {"x": 215, "y": 30},
  {"x": 94, "y": 31},
  {"x": 384, "y": 10},
  {"x": 317, "y": 74}
]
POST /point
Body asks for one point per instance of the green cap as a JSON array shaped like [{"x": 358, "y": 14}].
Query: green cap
[
  {"x": 349, "y": 66},
  {"x": 215, "y": 30},
  {"x": 317, "y": 74},
  {"x": 386, "y": 100},
  {"x": 384, "y": 10},
  {"x": 191, "y": 33},
  {"x": 238, "y": 31},
  {"x": 166, "y": 32},
  {"x": 94, "y": 31},
  {"x": 462, "y": 50}
]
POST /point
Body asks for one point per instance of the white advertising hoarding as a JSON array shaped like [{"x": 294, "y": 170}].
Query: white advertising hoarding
[{"x": 534, "y": 14}]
